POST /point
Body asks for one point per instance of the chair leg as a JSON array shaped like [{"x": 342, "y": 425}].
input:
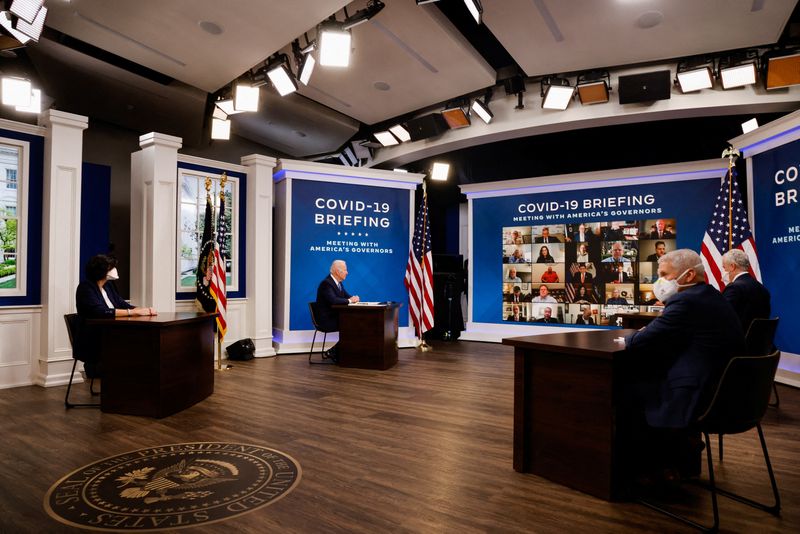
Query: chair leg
[
  {"x": 311, "y": 351},
  {"x": 313, "y": 339},
  {"x": 714, "y": 505},
  {"x": 720, "y": 448},
  {"x": 69, "y": 387},
  {"x": 774, "y": 509},
  {"x": 777, "y": 399}
]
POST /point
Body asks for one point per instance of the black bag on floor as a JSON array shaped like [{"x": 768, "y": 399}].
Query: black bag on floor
[{"x": 244, "y": 349}]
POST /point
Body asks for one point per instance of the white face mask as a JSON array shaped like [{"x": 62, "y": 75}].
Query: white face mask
[
  {"x": 726, "y": 277},
  {"x": 112, "y": 274},
  {"x": 666, "y": 289}
]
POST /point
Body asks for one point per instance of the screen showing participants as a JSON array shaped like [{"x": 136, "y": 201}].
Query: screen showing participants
[{"x": 582, "y": 272}]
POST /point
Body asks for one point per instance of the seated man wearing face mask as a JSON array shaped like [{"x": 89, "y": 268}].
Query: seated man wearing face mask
[
  {"x": 96, "y": 298},
  {"x": 677, "y": 360}
]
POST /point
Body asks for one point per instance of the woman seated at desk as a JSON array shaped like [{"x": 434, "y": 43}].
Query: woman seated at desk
[{"x": 97, "y": 299}]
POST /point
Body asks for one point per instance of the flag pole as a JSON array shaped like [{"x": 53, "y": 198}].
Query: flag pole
[
  {"x": 423, "y": 346},
  {"x": 731, "y": 153},
  {"x": 220, "y": 367}
]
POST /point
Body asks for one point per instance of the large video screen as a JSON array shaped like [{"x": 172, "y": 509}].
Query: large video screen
[{"x": 582, "y": 272}]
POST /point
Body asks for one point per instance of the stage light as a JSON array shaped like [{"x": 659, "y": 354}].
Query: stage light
[
  {"x": 245, "y": 97},
  {"x": 456, "y": 118},
  {"x": 482, "y": 110},
  {"x": 696, "y": 75},
  {"x": 36, "y": 103},
  {"x": 306, "y": 68},
  {"x": 401, "y": 170},
  {"x": 26, "y": 10},
  {"x": 749, "y": 126},
  {"x": 5, "y": 22},
  {"x": 738, "y": 76},
  {"x": 421, "y": 2},
  {"x": 439, "y": 171},
  {"x": 226, "y": 105},
  {"x": 385, "y": 138},
  {"x": 593, "y": 87},
  {"x": 220, "y": 129},
  {"x": 782, "y": 69},
  {"x": 334, "y": 45},
  {"x": 219, "y": 114},
  {"x": 475, "y": 9},
  {"x": 33, "y": 29},
  {"x": 556, "y": 93},
  {"x": 16, "y": 92},
  {"x": 363, "y": 15},
  {"x": 400, "y": 133},
  {"x": 281, "y": 76}
]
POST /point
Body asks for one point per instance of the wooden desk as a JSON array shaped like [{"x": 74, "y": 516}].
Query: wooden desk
[
  {"x": 564, "y": 409},
  {"x": 637, "y": 320},
  {"x": 368, "y": 336},
  {"x": 156, "y": 366}
]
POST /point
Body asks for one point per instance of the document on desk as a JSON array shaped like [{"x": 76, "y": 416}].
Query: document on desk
[{"x": 363, "y": 303}]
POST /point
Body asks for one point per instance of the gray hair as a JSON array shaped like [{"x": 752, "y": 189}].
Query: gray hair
[
  {"x": 738, "y": 258},
  {"x": 683, "y": 259},
  {"x": 335, "y": 263}
]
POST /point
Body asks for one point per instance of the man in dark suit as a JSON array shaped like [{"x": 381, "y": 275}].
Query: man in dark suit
[
  {"x": 661, "y": 249},
  {"x": 581, "y": 277},
  {"x": 329, "y": 292},
  {"x": 586, "y": 317},
  {"x": 546, "y": 237},
  {"x": 617, "y": 274},
  {"x": 515, "y": 315},
  {"x": 584, "y": 234},
  {"x": 548, "y": 317},
  {"x": 660, "y": 232},
  {"x": 517, "y": 296},
  {"x": 746, "y": 295}
]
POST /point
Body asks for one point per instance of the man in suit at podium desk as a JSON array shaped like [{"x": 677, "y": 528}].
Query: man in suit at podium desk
[{"x": 331, "y": 291}]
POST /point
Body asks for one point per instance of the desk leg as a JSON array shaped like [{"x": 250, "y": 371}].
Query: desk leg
[{"x": 523, "y": 371}]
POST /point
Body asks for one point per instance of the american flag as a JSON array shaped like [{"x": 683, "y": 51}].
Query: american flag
[
  {"x": 419, "y": 272},
  {"x": 728, "y": 229},
  {"x": 218, "y": 285}
]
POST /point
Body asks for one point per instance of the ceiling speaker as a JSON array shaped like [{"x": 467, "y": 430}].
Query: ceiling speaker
[
  {"x": 426, "y": 126},
  {"x": 646, "y": 87}
]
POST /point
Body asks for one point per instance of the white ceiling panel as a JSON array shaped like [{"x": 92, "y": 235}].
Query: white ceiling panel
[
  {"x": 166, "y": 35},
  {"x": 557, "y": 36},
  {"x": 413, "y": 53}
]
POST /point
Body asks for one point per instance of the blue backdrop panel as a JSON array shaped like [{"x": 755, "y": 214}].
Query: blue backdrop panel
[
  {"x": 368, "y": 227},
  {"x": 95, "y": 211},
  {"x": 689, "y": 202},
  {"x": 776, "y": 205}
]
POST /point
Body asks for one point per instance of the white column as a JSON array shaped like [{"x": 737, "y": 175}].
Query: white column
[
  {"x": 61, "y": 240},
  {"x": 259, "y": 251},
  {"x": 154, "y": 190}
]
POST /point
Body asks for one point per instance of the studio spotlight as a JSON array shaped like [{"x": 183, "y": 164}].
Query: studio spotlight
[
  {"x": 401, "y": 170},
  {"x": 226, "y": 105},
  {"x": 482, "y": 110},
  {"x": 782, "y": 68},
  {"x": 245, "y": 97},
  {"x": 695, "y": 75},
  {"x": 26, "y": 10},
  {"x": 219, "y": 114},
  {"x": 7, "y": 24},
  {"x": 334, "y": 44},
  {"x": 33, "y": 29},
  {"x": 738, "y": 76},
  {"x": 220, "y": 129},
  {"x": 399, "y": 131},
  {"x": 306, "y": 68},
  {"x": 36, "y": 103},
  {"x": 749, "y": 126},
  {"x": 16, "y": 92},
  {"x": 593, "y": 87},
  {"x": 556, "y": 93},
  {"x": 281, "y": 75},
  {"x": 363, "y": 15},
  {"x": 439, "y": 171},
  {"x": 515, "y": 85},
  {"x": 385, "y": 138},
  {"x": 456, "y": 118},
  {"x": 475, "y": 9},
  {"x": 421, "y": 2}
]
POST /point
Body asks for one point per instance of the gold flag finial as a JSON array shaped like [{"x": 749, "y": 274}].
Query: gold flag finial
[
  {"x": 208, "y": 189},
  {"x": 222, "y": 181}
]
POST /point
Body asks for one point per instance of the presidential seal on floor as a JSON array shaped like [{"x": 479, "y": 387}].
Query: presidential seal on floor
[{"x": 172, "y": 486}]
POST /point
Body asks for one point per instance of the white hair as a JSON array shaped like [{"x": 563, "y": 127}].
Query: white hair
[
  {"x": 738, "y": 258},
  {"x": 684, "y": 259},
  {"x": 335, "y": 263}
]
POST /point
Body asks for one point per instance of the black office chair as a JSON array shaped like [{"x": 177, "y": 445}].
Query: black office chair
[
  {"x": 760, "y": 339},
  {"x": 74, "y": 330},
  {"x": 312, "y": 308},
  {"x": 738, "y": 405}
]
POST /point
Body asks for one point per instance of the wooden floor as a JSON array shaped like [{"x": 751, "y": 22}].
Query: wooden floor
[{"x": 423, "y": 447}]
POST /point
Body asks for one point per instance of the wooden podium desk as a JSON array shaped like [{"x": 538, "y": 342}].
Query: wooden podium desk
[
  {"x": 565, "y": 412},
  {"x": 155, "y": 366},
  {"x": 368, "y": 335}
]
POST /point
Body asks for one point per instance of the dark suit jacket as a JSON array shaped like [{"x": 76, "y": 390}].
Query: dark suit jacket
[
  {"x": 617, "y": 301},
  {"x": 91, "y": 305},
  {"x": 614, "y": 277},
  {"x": 521, "y": 319},
  {"x": 580, "y": 320},
  {"x": 550, "y": 239},
  {"x": 749, "y": 299},
  {"x": 329, "y": 294},
  {"x": 545, "y": 320},
  {"x": 587, "y": 236},
  {"x": 652, "y": 257},
  {"x": 664, "y": 235},
  {"x": 689, "y": 346},
  {"x": 576, "y": 278}
]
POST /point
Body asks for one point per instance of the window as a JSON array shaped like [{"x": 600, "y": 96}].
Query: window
[
  {"x": 192, "y": 208},
  {"x": 13, "y": 158}
]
